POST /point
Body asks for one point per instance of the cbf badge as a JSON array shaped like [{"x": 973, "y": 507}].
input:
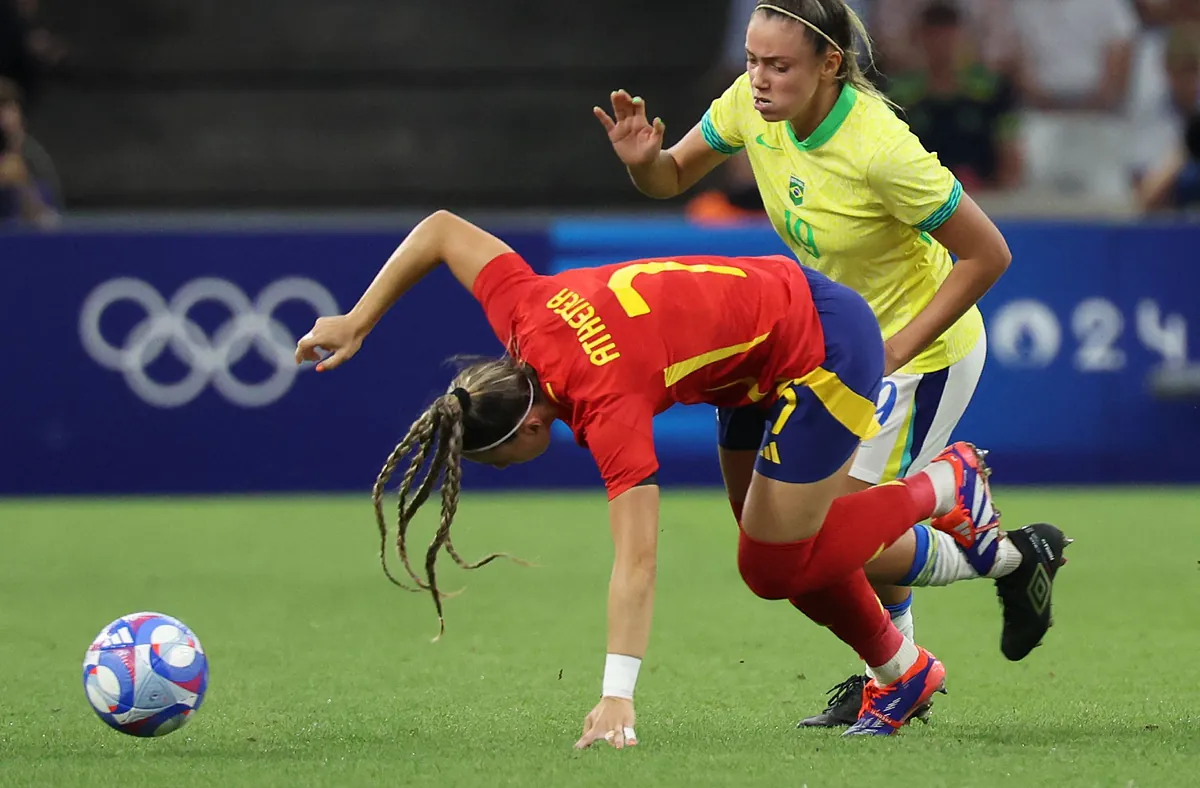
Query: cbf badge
[{"x": 796, "y": 191}]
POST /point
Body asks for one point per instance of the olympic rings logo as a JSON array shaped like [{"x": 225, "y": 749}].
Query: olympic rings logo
[{"x": 209, "y": 360}]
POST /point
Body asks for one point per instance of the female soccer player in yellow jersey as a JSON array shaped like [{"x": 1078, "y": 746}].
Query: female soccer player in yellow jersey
[{"x": 855, "y": 195}]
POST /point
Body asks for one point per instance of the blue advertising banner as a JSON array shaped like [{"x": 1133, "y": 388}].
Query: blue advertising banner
[{"x": 161, "y": 362}]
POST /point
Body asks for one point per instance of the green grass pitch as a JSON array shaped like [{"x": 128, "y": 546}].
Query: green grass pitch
[{"x": 324, "y": 674}]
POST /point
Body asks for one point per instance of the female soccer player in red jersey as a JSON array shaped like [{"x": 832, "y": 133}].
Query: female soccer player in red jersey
[
  {"x": 606, "y": 349},
  {"x": 854, "y": 194}
]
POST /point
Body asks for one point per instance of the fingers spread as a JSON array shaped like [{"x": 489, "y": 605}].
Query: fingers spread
[
  {"x": 586, "y": 740},
  {"x": 622, "y": 105},
  {"x": 604, "y": 119},
  {"x": 599, "y": 726},
  {"x": 639, "y": 107}
]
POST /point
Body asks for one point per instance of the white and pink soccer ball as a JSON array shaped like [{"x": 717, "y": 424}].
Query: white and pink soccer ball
[{"x": 145, "y": 674}]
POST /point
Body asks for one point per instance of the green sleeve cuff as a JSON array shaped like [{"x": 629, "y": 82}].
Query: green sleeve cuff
[
  {"x": 943, "y": 214},
  {"x": 714, "y": 138}
]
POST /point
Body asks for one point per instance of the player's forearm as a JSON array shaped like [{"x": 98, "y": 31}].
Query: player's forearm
[
  {"x": 967, "y": 283},
  {"x": 631, "y": 605},
  {"x": 983, "y": 256},
  {"x": 658, "y": 179},
  {"x": 415, "y": 257},
  {"x": 633, "y": 517}
]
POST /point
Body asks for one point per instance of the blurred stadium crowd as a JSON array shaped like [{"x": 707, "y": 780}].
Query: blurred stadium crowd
[
  {"x": 1087, "y": 101},
  {"x": 27, "y": 50},
  {"x": 1090, "y": 99}
]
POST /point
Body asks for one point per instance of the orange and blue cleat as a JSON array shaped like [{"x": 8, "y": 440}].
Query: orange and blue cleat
[
  {"x": 974, "y": 521},
  {"x": 886, "y": 709}
]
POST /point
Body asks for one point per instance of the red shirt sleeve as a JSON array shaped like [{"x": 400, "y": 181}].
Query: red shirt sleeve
[
  {"x": 500, "y": 287},
  {"x": 619, "y": 433}
]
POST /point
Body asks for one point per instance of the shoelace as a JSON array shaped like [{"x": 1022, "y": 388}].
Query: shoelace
[
  {"x": 870, "y": 693},
  {"x": 844, "y": 691}
]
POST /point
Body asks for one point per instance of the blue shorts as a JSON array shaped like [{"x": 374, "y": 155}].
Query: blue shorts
[{"x": 817, "y": 422}]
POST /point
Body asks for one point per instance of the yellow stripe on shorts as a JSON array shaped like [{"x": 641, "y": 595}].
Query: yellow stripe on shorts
[
  {"x": 903, "y": 436},
  {"x": 851, "y": 409}
]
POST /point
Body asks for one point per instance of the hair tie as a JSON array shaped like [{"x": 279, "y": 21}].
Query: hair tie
[{"x": 463, "y": 396}]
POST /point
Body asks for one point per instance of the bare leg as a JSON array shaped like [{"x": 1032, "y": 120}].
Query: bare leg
[{"x": 737, "y": 467}]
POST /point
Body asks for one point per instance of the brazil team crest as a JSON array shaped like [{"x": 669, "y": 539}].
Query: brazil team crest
[{"x": 796, "y": 191}]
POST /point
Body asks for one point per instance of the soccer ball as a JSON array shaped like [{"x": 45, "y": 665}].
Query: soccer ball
[{"x": 145, "y": 674}]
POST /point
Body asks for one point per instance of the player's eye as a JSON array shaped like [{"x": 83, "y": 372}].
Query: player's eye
[{"x": 781, "y": 69}]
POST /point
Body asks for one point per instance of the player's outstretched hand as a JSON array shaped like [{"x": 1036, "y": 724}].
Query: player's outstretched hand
[
  {"x": 635, "y": 140},
  {"x": 610, "y": 721},
  {"x": 339, "y": 335}
]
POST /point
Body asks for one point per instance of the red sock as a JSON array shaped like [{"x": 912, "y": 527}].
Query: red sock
[
  {"x": 857, "y": 528},
  {"x": 850, "y": 609},
  {"x": 920, "y": 486}
]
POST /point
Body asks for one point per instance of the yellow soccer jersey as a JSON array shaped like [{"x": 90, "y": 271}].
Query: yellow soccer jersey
[{"x": 856, "y": 201}]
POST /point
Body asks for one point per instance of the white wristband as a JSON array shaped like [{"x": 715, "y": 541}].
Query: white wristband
[{"x": 620, "y": 676}]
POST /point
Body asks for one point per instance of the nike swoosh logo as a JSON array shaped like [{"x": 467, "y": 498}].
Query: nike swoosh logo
[{"x": 759, "y": 140}]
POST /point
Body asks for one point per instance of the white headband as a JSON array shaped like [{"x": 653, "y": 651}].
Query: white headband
[
  {"x": 513, "y": 431},
  {"x": 805, "y": 22}
]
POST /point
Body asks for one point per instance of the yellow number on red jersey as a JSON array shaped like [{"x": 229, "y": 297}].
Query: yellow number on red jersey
[{"x": 621, "y": 282}]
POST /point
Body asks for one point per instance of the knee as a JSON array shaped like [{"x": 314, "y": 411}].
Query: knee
[{"x": 769, "y": 570}]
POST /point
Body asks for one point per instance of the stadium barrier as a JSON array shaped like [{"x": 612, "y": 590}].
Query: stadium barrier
[{"x": 161, "y": 362}]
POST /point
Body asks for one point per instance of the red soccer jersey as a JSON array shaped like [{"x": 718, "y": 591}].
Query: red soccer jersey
[{"x": 616, "y": 345}]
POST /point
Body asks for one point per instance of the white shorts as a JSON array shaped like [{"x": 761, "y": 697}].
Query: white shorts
[{"x": 916, "y": 414}]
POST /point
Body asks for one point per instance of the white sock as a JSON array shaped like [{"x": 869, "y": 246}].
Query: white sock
[
  {"x": 904, "y": 623},
  {"x": 897, "y": 666},
  {"x": 941, "y": 474},
  {"x": 948, "y": 563},
  {"x": 1008, "y": 558}
]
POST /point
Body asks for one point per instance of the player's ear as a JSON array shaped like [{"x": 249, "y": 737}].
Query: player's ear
[{"x": 833, "y": 63}]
